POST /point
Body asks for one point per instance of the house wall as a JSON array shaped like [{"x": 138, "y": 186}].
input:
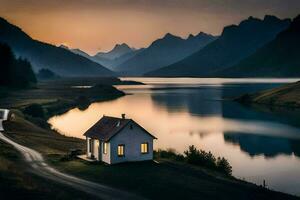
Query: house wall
[
  {"x": 106, "y": 157},
  {"x": 132, "y": 139},
  {"x": 88, "y": 153},
  {"x": 96, "y": 149}
]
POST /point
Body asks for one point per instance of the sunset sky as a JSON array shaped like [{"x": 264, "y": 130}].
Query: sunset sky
[{"x": 97, "y": 25}]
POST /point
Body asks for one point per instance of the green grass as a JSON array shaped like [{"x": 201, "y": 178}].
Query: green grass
[
  {"x": 44, "y": 140},
  {"x": 166, "y": 180},
  {"x": 58, "y": 96},
  {"x": 286, "y": 96}
]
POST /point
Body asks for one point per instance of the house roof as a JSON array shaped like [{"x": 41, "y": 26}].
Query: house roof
[{"x": 107, "y": 127}]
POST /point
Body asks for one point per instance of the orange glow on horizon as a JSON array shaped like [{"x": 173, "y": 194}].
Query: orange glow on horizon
[{"x": 98, "y": 25}]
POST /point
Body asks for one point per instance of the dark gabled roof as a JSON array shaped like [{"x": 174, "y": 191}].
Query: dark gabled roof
[{"x": 107, "y": 127}]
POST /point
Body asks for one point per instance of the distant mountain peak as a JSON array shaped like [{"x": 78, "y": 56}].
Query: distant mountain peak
[
  {"x": 199, "y": 36},
  {"x": 59, "y": 60},
  {"x": 270, "y": 18},
  {"x": 201, "y": 33},
  {"x": 295, "y": 25},
  {"x": 250, "y": 20},
  {"x": 122, "y": 46},
  {"x": 2, "y": 20},
  {"x": 190, "y": 36},
  {"x": 170, "y": 36},
  {"x": 64, "y": 47},
  {"x": 235, "y": 43},
  {"x": 117, "y": 51}
]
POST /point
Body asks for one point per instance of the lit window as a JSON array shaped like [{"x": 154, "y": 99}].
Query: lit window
[
  {"x": 105, "y": 145},
  {"x": 144, "y": 148},
  {"x": 121, "y": 150}
]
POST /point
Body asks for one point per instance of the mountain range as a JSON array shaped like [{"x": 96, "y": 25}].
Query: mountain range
[
  {"x": 119, "y": 54},
  {"x": 46, "y": 56},
  {"x": 117, "y": 51},
  {"x": 164, "y": 51},
  {"x": 279, "y": 58},
  {"x": 267, "y": 47},
  {"x": 235, "y": 43}
]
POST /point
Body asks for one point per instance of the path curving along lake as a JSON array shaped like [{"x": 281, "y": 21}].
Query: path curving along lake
[{"x": 260, "y": 143}]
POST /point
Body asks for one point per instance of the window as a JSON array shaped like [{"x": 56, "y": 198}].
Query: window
[
  {"x": 105, "y": 146},
  {"x": 144, "y": 148},
  {"x": 121, "y": 150}
]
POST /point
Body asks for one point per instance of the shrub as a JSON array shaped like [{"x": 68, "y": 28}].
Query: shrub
[
  {"x": 39, "y": 122},
  {"x": 83, "y": 102},
  {"x": 224, "y": 166},
  {"x": 34, "y": 110},
  {"x": 197, "y": 157},
  {"x": 46, "y": 74},
  {"x": 200, "y": 157},
  {"x": 169, "y": 153}
]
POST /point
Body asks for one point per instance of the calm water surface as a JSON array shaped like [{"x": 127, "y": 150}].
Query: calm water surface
[{"x": 261, "y": 144}]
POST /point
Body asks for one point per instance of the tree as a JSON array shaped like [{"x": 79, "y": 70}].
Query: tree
[
  {"x": 14, "y": 72},
  {"x": 34, "y": 110},
  {"x": 224, "y": 166},
  {"x": 46, "y": 74}
]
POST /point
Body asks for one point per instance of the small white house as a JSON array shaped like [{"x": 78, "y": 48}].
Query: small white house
[
  {"x": 4, "y": 115},
  {"x": 115, "y": 140}
]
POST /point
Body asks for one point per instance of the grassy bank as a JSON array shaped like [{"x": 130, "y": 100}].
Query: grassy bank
[
  {"x": 60, "y": 95},
  {"x": 168, "y": 180},
  {"x": 286, "y": 96},
  {"x": 17, "y": 181}
]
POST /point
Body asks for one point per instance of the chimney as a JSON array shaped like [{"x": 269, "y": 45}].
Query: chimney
[{"x": 123, "y": 116}]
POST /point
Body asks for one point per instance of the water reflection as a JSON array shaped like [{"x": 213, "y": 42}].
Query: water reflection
[
  {"x": 267, "y": 146},
  {"x": 260, "y": 143},
  {"x": 202, "y": 102}
]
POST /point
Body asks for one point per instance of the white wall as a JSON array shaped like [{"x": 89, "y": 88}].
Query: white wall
[
  {"x": 96, "y": 149},
  {"x": 132, "y": 139},
  {"x": 88, "y": 147},
  {"x": 106, "y": 157}
]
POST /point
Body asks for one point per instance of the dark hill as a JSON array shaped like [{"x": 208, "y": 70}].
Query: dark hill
[
  {"x": 42, "y": 55},
  {"x": 164, "y": 51},
  {"x": 14, "y": 73},
  {"x": 279, "y": 58},
  {"x": 236, "y": 43},
  {"x": 285, "y": 96}
]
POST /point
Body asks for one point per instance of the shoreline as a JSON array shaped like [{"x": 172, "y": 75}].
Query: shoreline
[
  {"x": 284, "y": 97},
  {"x": 64, "y": 166},
  {"x": 88, "y": 171},
  {"x": 55, "y": 152}
]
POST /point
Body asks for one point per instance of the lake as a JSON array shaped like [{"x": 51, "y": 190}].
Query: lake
[{"x": 260, "y": 143}]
